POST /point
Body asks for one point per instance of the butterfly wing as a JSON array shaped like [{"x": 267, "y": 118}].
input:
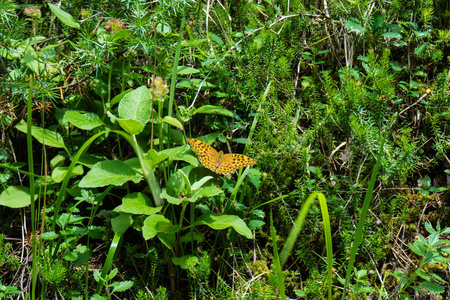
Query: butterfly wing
[
  {"x": 206, "y": 154},
  {"x": 232, "y": 162}
]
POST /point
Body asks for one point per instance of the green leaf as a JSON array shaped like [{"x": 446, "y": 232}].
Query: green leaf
[
  {"x": 171, "y": 199},
  {"x": 49, "y": 235},
  {"x": 157, "y": 223},
  {"x": 50, "y": 137},
  {"x": 89, "y": 160},
  {"x": 167, "y": 240},
  {"x": 219, "y": 222},
  {"x": 16, "y": 197},
  {"x": 420, "y": 51},
  {"x": 201, "y": 182},
  {"x": 172, "y": 121},
  {"x": 121, "y": 223},
  {"x": 122, "y": 286},
  {"x": 64, "y": 17},
  {"x": 437, "y": 277},
  {"x": 112, "y": 274},
  {"x": 176, "y": 184},
  {"x": 57, "y": 161},
  {"x": 183, "y": 70},
  {"x": 131, "y": 126},
  {"x": 85, "y": 121},
  {"x": 423, "y": 275},
  {"x": 205, "y": 192},
  {"x": 191, "y": 236},
  {"x": 392, "y": 35},
  {"x": 163, "y": 28},
  {"x": 154, "y": 158},
  {"x": 186, "y": 261},
  {"x": 352, "y": 26},
  {"x": 51, "y": 47},
  {"x": 119, "y": 97},
  {"x": 136, "y": 203},
  {"x": 432, "y": 287},
  {"x": 241, "y": 141},
  {"x": 216, "y": 110},
  {"x": 59, "y": 173},
  {"x": 109, "y": 172},
  {"x": 121, "y": 35},
  {"x": 179, "y": 153},
  {"x": 70, "y": 256},
  {"x": 194, "y": 83},
  {"x": 136, "y": 105},
  {"x": 216, "y": 39},
  {"x": 254, "y": 224},
  {"x": 83, "y": 254}
]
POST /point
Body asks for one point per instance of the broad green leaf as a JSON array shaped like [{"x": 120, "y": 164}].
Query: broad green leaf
[
  {"x": 432, "y": 287},
  {"x": 112, "y": 274},
  {"x": 183, "y": 70},
  {"x": 392, "y": 35},
  {"x": 50, "y": 137},
  {"x": 59, "y": 173},
  {"x": 122, "y": 286},
  {"x": 163, "y": 28},
  {"x": 186, "y": 261},
  {"x": 64, "y": 17},
  {"x": 420, "y": 51},
  {"x": 205, "y": 192},
  {"x": 136, "y": 105},
  {"x": 171, "y": 199},
  {"x": 121, "y": 35},
  {"x": 109, "y": 172},
  {"x": 85, "y": 121},
  {"x": 254, "y": 224},
  {"x": 154, "y": 224},
  {"x": 70, "y": 256},
  {"x": 201, "y": 182},
  {"x": 219, "y": 222},
  {"x": 154, "y": 158},
  {"x": 37, "y": 66},
  {"x": 121, "y": 223},
  {"x": 423, "y": 275},
  {"x": 136, "y": 203},
  {"x": 208, "y": 138},
  {"x": 83, "y": 255},
  {"x": 216, "y": 39},
  {"x": 16, "y": 197},
  {"x": 436, "y": 276},
  {"x": 172, "y": 121},
  {"x": 65, "y": 219},
  {"x": 191, "y": 236},
  {"x": 194, "y": 83},
  {"x": 167, "y": 240},
  {"x": 119, "y": 97},
  {"x": 179, "y": 153},
  {"x": 131, "y": 126},
  {"x": 89, "y": 160},
  {"x": 57, "y": 161},
  {"x": 216, "y": 110},
  {"x": 49, "y": 47},
  {"x": 176, "y": 184},
  {"x": 49, "y": 235},
  {"x": 352, "y": 26},
  {"x": 421, "y": 34},
  {"x": 241, "y": 141}
]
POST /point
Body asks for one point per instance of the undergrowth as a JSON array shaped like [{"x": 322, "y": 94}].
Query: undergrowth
[{"x": 96, "y": 103}]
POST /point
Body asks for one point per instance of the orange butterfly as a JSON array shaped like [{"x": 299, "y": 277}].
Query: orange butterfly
[{"x": 218, "y": 161}]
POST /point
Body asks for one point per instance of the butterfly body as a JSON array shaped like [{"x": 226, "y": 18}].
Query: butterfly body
[{"x": 218, "y": 161}]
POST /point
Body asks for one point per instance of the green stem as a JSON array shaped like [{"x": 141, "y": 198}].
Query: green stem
[{"x": 34, "y": 270}]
